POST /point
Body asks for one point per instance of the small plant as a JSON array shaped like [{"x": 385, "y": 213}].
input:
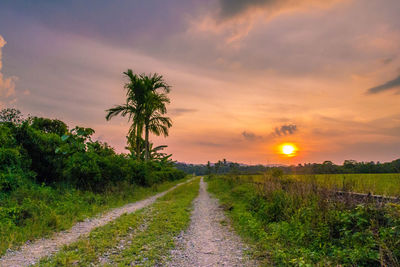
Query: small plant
[{"x": 276, "y": 173}]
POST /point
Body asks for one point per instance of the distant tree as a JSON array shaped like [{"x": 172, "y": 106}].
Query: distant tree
[
  {"x": 11, "y": 115},
  {"x": 349, "y": 165},
  {"x": 217, "y": 166},
  {"x": 208, "y": 167},
  {"x": 49, "y": 125}
]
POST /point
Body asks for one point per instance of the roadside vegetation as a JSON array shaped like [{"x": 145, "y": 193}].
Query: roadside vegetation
[
  {"x": 142, "y": 238},
  {"x": 299, "y": 223},
  {"x": 52, "y": 176}
]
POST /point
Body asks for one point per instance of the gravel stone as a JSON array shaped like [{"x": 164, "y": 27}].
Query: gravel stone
[{"x": 207, "y": 242}]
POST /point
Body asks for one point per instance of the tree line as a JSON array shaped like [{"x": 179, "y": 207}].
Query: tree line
[{"x": 327, "y": 167}]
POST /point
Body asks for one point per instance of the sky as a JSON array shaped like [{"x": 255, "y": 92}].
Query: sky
[{"x": 246, "y": 76}]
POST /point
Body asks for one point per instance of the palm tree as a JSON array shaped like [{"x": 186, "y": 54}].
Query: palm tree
[
  {"x": 146, "y": 107},
  {"x": 133, "y": 108},
  {"x": 154, "y": 119}
]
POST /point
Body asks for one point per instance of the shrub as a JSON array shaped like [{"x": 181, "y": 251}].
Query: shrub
[
  {"x": 10, "y": 181},
  {"x": 41, "y": 147},
  {"x": 82, "y": 171}
]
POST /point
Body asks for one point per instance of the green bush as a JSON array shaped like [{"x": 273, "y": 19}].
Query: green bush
[
  {"x": 10, "y": 181},
  {"x": 82, "y": 171},
  {"x": 41, "y": 147}
]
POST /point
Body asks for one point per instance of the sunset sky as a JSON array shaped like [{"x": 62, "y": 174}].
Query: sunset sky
[{"x": 246, "y": 76}]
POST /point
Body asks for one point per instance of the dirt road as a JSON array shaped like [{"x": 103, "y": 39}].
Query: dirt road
[
  {"x": 31, "y": 253},
  {"x": 209, "y": 241}
]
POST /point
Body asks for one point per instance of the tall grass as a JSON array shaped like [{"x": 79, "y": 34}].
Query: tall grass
[
  {"x": 376, "y": 183},
  {"x": 294, "y": 222}
]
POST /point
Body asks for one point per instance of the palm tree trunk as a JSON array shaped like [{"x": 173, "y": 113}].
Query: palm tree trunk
[
  {"x": 147, "y": 152},
  {"x": 138, "y": 136}
]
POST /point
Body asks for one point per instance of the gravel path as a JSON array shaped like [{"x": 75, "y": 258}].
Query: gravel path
[
  {"x": 31, "y": 253},
  {"x": 207, "y": 242}
]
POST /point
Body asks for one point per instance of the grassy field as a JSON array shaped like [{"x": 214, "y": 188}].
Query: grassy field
[
  {"x": 289, "y": 223},
  {"x": 35, "y": 211},
  {"x": 142, "y": 238},
  {"x": 378, "y": 183}
]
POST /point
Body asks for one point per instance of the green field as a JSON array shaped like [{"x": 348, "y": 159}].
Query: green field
[
  {"x": 387, "y": 184},
  {"x": 289, "y": 223}
]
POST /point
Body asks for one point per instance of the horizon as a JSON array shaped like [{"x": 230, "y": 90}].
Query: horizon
[
  {"x": 246, "y": 76},
  {"x": 282, "y": 165}
]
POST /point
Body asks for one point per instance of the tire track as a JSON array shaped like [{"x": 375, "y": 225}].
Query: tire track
[{"x": 207, "y": 242}]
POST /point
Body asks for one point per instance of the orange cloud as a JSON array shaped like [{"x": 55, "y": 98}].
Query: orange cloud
[{"x": 7, "y": 85}]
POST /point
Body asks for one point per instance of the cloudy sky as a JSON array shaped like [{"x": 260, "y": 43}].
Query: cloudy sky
[{"x": 246, "y": 76}]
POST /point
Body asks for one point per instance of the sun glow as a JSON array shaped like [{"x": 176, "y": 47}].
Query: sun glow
[{"x": 288, "y": 150}]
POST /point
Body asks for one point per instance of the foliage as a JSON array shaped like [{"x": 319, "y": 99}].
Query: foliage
[
  {"x": 327, "y": 167},
  {"x": 10, "y": 115},
  {"x": 49, "y": 126},
  {"x": 51, "y": 176},
  {"x": 292, "y": 223},
  {"x": 46, "y": 150},
  {"x": 146, "y": 107}
]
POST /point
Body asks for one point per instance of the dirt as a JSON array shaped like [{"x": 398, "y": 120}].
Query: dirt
[
  {"x": 209, "y": 240},
  {"x": 31, "y": 253}
]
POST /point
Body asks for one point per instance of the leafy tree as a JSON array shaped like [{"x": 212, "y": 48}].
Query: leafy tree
[
  {"x": 49, "y": 126},
  {"x": 156, "y": 154},
  {"x": 11, "y": 115}
]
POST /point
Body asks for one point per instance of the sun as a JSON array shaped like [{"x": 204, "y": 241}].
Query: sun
[{"x": 289, "y": 150}]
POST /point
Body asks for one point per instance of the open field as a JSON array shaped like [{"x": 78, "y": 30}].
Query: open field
[
  {"x": 387, "y": 184},
  {"x": 291, "y": 223}
]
